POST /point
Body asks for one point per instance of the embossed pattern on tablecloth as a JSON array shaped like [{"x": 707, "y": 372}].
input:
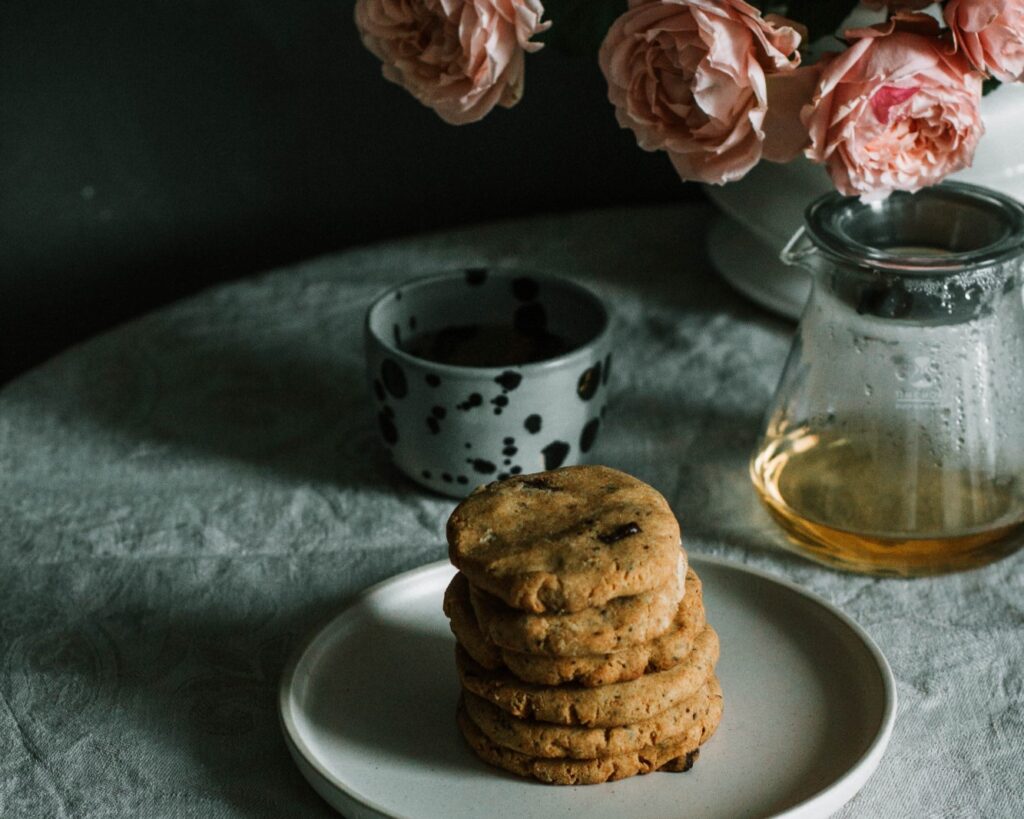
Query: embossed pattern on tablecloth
[{"x": 183, "y": 498}]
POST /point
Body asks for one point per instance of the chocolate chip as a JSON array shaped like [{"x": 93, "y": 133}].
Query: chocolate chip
[{"x": 619, "y": 533}]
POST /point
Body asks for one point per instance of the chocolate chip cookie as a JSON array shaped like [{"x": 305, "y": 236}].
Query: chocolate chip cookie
[
  {"x": 565, "y": 540},
  {"x": 620, "y": 623},
  {"x": 674, "y": 753},
  {"x": 542, "y": 739},
  {"x": 589, "y": 670},
  {"x": 604, "y": 706}
]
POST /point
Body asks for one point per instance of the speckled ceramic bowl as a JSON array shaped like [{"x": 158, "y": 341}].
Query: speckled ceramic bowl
[{"x": 451, "y": 427}]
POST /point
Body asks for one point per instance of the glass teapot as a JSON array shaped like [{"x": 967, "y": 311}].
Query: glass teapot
[{"x": 895, "y": 441}]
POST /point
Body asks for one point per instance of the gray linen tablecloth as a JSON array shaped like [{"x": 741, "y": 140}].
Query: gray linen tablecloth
[{"x": 181, "y": 499}]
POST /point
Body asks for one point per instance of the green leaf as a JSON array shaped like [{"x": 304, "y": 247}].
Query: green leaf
[
  {"x": 989, "y": 85},
  {"x": 822, "y": 17},
  {"x": 578, "y": 26}
]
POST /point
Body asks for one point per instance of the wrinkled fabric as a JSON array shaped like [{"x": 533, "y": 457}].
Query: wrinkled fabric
[{"x": 184, "y": 498}]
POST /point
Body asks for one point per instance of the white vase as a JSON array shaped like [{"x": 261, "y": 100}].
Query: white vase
[{"x": 762, "y": 211}]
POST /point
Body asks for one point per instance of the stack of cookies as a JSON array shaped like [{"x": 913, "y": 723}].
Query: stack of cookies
[{"x": 582, "y": 647}]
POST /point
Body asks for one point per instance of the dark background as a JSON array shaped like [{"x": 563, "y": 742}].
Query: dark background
[{"x": 148, "y": 149}]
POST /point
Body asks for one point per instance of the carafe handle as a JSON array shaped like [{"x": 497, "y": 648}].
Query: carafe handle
[{"x": 798, "y": 249}]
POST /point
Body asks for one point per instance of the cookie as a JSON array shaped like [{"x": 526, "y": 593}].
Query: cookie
[
  {"x": 462, "y": 622},
  {"x": 664, "y": 651},
  {"x": 589, "y": 670},
  {"x": 566, "y": 540},
  {"x": 675, "y": 753},
  {"x": 605, "y": 706},
  {"x": 618, "y": 624},
  {"x": 542, "y": 739}
]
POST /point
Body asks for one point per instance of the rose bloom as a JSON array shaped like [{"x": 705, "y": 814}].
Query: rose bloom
[
  {"x": 689, "y": 77},
  {"x": 898, "y": 110},
  {"x": 459, "y": 57},
  {"x": 991, "y": 34}
]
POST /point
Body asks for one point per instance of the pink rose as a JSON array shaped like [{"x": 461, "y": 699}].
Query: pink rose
[
  {"x": 459, "y": 57},
  {"x": 991, "y": 34},
  {"x": 898, "y": 110},
  {"x": 688, "y": 77}
]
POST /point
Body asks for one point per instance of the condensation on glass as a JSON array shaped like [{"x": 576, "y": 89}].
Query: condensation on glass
[{"x": 895, "y": 441}]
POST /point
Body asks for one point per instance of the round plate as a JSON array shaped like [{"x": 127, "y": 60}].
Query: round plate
[{"x": 368, "y": 708}]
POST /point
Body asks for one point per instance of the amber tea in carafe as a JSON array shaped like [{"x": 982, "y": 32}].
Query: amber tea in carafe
[{"x": 895, "y": 442}]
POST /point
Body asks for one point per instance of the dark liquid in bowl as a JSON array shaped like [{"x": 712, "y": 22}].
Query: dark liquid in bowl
[{"x": 486, "y": 345}]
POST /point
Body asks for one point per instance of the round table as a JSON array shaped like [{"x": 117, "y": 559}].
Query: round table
[{"x": 184, "y": 497}]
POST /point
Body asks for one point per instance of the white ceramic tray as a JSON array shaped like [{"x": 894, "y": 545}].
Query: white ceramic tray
[{"x": 368, "y": 704}]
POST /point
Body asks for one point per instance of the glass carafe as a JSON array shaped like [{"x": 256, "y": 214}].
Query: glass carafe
[{"x": 895, "y": 441}]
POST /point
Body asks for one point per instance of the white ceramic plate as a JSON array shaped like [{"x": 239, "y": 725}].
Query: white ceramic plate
[
  {"x": 754, "y": 268},
  {"x": 368, "y": 712}
]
